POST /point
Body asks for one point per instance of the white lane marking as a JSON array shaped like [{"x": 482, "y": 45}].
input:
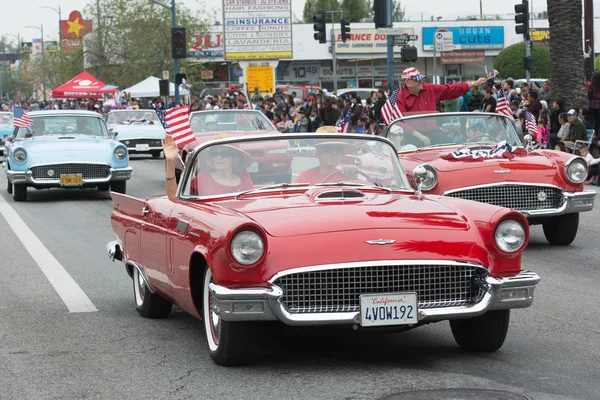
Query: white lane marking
[{"x": 66, "y": 287}]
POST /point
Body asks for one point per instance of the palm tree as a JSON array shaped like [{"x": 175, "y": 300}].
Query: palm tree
[{"x": 566, "y": 52}]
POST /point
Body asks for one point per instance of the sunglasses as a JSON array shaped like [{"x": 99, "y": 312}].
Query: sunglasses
[
  {"x": 221, "y": 153},
  {"x": 333, "y": 149}
]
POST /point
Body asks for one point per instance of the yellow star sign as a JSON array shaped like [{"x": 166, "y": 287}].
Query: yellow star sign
[{"x": 75, "y": 26}]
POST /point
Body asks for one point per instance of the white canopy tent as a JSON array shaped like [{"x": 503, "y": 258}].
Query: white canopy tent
[{"x": 148, "y": 88}]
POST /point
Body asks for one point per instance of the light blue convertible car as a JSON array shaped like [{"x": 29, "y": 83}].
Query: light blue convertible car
[
  {"x": 139, "y": 130},
  {"x": 6, "y": 128},
  {"x": 66, "y": 149}
]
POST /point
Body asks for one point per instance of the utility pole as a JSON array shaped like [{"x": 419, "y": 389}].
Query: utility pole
[
  {"x": 4, "y": 67},
  {"x": 173, "y": 25},
  {"x": 334, "y": 60},
  {"x": 588, "y": 43}
]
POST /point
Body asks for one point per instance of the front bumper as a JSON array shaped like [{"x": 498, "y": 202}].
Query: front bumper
[
  {"x": 575, "y": 202},
  {"x": 26, "y": 177},
  {"x": 264, "y": 303}
]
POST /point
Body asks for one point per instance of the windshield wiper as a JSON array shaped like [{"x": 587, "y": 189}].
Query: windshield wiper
[
  {"x": 344, "y": 183},
  {"x": 275, "y": 186}
]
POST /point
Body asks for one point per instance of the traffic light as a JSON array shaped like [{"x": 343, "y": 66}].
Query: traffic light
[
  {"x": 382, "y": 15},
  {"x": 178, "y": 42},
  {"x": 319, "y": 27},
  {"x": 408, "y": 54},
  {"x": 522, "y": 18},
  {"x": 345, "y": 30},
  {"x": 528, "y": 63}
]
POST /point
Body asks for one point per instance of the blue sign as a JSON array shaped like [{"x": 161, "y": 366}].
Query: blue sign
[{"x": 469, "y": 37}]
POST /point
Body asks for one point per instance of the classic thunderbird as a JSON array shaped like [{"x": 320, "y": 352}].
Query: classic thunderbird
[
  {"x": 66, "y": 149},
  {"x": 479, "y": 157},
  {"x": 270, "y": 164},
  {"x": 347, "y": 242},
  {"x": 6, "y": 128},
  {"x": 139, "y": 130}
]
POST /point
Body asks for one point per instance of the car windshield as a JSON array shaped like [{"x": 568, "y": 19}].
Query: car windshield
[
  {"x": 308, "y": 160},
  {"x": 131, "y": 116},
  {"x": 459, "y": 129},
  {"x": 220, "y": 121},
  {"x": 63, "y": 125},
  {"x": 6, "y": 119}
]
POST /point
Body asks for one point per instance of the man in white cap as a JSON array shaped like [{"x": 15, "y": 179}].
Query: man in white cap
[{"x": 415, "y": 96}]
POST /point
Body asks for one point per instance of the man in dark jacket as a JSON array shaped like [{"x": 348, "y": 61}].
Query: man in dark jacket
[{"x": 577, "y": 129}]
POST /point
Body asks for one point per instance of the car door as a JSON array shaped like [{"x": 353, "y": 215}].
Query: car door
[{"x": 154, "y": 233}]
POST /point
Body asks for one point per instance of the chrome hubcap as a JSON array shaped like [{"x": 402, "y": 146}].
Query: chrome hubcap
[
  {"x": 139, "y": 288},
  {"x": 215, "y": 323}
]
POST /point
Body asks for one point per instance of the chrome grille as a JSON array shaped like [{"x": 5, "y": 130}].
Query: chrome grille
[
  {"x": 87, "y": 171},
  {"x": 517, "y": 197},
  {"x": 338, "y": 290}
]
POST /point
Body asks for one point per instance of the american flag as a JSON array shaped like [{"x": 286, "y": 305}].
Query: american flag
[
  {"x": 530, "y": 124},
  {"x": 176, "y": 122},
  {"x": 390, "y": 110},
  {"x": 502, "y": 106},
  {"x": 344, "y": 124},
  {"x": 21, "y": 119}
]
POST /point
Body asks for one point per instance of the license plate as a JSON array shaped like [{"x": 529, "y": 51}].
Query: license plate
[
  {"x": 142, "y": 147},
  {"x": 253, "y": 167},
  {"x": 388, "y": 309},
  {"x": 71, "y": 180}
]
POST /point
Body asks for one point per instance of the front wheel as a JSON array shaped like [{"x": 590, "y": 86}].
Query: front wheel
[
  {"x": 19, "y": 192},
  {"x": 485, "y": 333},
  {"x": 149, "y": 305},
  {"x": 118, "y": 186},
  {"x": 229, "y": 343},
  {"x": 561, "y": 230},
  {"x": 8, "y": 186}
]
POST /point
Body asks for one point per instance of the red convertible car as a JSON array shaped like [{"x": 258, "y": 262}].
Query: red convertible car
[
  {"x": 270, "y": 164},
  {"x": 479, "y": 157},
  {"x": 346, "y": 242}
]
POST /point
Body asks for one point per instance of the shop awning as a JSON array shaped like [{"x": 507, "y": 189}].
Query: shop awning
[{"x": 83, "y": 86}]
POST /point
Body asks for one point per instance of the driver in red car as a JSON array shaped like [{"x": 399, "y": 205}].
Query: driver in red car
[{"x": 416, "y": 96}]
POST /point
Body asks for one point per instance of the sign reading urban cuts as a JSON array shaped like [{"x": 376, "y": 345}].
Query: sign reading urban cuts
[
  {"x": 468, "y": 37},
  {"x": 257, "y": 29}
]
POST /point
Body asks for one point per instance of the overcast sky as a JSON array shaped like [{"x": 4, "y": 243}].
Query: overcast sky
[{"x": 30, "y": 12}]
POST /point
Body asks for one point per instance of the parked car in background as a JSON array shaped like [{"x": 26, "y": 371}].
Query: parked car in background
[
  {"x": 301, "y": 91},
  {"x": 348, "y": 243},
  {"x": 6, "y": 128},
  {"x": 479, "y": 157},
  {"x": 139, "y": 130},
  {"x": 270, "y": 163},
  {"x": 65, "y": 149}
]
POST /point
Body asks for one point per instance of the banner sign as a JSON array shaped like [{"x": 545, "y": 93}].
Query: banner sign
[
  {"x": 540, "y": 36},
  {"x": 261, "y": 77},
  {"x": 463, "y": 57},
  {"x": 258, "y": 29},
  {"x": 208, "y": 45},
  {"x": 365, "y": 41},
  {"x": 501, "y": 150},
  {"x": 468, "y": 37},
  {"x": 75, "y": 26},
  {"x": 298, "y": 71}
]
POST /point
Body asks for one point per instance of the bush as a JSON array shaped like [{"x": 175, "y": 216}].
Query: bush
[{"x": 509, "y": 62}]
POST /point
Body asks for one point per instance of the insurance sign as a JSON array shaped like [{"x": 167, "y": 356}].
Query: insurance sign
[{"x": 257, "y": 29}]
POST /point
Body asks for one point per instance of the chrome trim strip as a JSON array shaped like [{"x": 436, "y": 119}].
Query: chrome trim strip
[
  {"x": 377, "y": 263},
  {"x": 27, "y": 176}
]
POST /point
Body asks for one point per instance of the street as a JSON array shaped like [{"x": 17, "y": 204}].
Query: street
[{"x": 105, "y": 350}]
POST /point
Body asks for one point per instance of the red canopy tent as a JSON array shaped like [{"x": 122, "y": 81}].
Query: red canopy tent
[{"x": 83, "y": 86}]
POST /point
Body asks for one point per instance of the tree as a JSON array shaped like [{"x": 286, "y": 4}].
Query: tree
[
  {"x": 398, "y": 11},
  {"x": 355, "y": 10},
  {"x": 309, "y": 11},
  {"x": 133, "y": 40},
  {"x": 566, "y": 52},
  {"x": 509, "y": 62},
  {"x": 328, "y": 5}
]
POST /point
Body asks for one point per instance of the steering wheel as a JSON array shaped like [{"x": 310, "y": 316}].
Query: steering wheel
[{"x": 358, "y": 171}]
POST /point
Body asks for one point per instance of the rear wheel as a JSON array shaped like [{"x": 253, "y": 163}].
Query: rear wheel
[
  {"x": 19, "y": 192},
  {"x": 147, "y": 304},
  {"x": 485, "y": 333},
  {"x": 118, "y": 186},
  {"x": 561, "y": 230},
  {"x": 229, "y": 343}
]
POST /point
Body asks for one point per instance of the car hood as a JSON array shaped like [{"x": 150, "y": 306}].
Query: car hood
[
  {"x": 66, "y": 144},
  {"x": 6, "y": 131},
  {"x": 303, "y": 215},
  {"x": 532, "y": 161}
]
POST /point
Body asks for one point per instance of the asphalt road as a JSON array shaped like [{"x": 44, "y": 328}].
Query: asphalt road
[{"x": 46, "y": 352}]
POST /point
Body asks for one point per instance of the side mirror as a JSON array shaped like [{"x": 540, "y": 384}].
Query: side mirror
[{"x": 114, "y": 133}]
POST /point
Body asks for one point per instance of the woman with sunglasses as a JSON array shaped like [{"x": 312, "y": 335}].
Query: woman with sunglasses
[{"x": 224, "y": 170}]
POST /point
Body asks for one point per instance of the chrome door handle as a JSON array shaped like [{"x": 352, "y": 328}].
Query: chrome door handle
[{"x": 145, "y": 211}]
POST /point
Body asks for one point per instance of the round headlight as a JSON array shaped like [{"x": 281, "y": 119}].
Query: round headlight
[
  {"x": 120, "y": 153},
  {"x": 510, "y": 236},
  {"x": 247, "y": 247},
  {"x": 577, "y": 170},
  {"x": 20, "y": 155},
  {"x": 428, "y": 174}
]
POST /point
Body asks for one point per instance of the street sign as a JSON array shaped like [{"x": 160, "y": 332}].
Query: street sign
[
  {"x": 404, "y": 39},
  {"x": 261, "y": 77},
  {"x": 390, "y": 31},
  {"x": 165, "y": 74},
  {"x": 26, "y": 47},
  {"x": 443, "y": 41}
]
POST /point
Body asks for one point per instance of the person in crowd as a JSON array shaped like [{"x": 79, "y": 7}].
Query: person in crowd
[
  {"x": 534, "y": 106},
  {"x": 315, "y": 120},
  {"x": 577, "y": 130},
  {"x": 509, "y": 89},
  {"x": 489, "y": 101},
  {"x": 543, "y": 131},
  {"x": 593, "y": 163},
  {"x": 359, "y": 127},
  {"x": 303, "y": 123},
  {"x": 545, "y": 92},
  {"x": 558, "y": 107}
]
